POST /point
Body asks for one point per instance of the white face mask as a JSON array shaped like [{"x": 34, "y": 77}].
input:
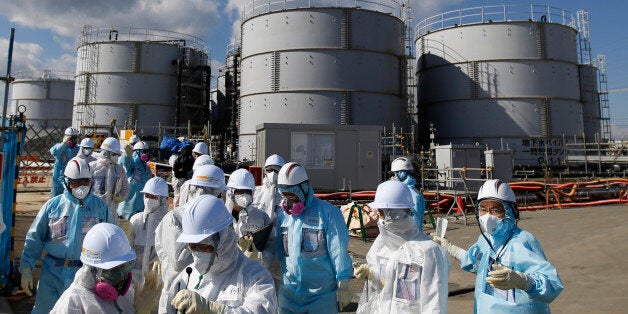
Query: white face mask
[
  {"x": 202, "y": 261},
  {"x": 150, "y": 204},
  {"x": 488, "y": 223},
  {"x": 87, "y": 151},
  {"x": 80, "y": 192},
  {"x": 114, "y": 159},
  {"x": 272, "y": 177},
  {"x": 243, "y": 200}
]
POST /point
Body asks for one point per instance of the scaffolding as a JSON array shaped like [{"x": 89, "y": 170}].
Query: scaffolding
[
  {"x": 605, "y": 111},
  {"x": 86, "y": 80}
]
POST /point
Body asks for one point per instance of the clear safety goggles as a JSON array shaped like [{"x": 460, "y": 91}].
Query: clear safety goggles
[
  {"x": 205, "y": 245},
  {"x": 493, "y": 207},
  {"x": 394, "y": 213}
]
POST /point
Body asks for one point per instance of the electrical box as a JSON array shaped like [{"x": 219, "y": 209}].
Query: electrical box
[{"x": 456, "y": 162}]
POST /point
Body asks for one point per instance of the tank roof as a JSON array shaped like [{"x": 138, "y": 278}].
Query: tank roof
[
  {"x": 495, "y": 13},
  {"x": 95, "y": 35},
  {"x": 253, "y": 8}
]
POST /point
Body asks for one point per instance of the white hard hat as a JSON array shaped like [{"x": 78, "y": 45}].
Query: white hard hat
[
  {"x": 292, "y": 174},
  {"x": 401, "y": 163},
  {"x": 202, "y": 217},
  {"x": 201, "y": 161},
  {"x": 87, "y": 142},
  {"x": 274, "y": 160},
  {"x": 111, "y": 144},
  {"x": 134, "y": 139},
  {"x": 201, "y": 148},
  {"x": 77, "y": 168},
  {"x": 241, "y": 179},
  {"x": 496, "y": 189},
  {"x": 209, "y": 176},
  {"x": 106, "y": 246},
  {"x": 70, "y": 131},
  {"x": 140, "y": 145},
  {"x": 156, "y": 186},
  {"x": 392, "y": 194}
]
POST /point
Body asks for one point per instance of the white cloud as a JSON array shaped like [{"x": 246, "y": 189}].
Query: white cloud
[{"x": 26, "y": 56}]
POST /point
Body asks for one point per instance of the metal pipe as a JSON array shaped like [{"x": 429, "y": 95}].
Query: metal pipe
[{"x": 7, "y": 80}]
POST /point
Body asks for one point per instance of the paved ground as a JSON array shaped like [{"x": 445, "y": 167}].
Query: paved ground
[{"x": 587, "y": 245}]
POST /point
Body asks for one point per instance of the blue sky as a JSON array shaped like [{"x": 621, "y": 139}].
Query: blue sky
[{"x": 46, "y": 30}]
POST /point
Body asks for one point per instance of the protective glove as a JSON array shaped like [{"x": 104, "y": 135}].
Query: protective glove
[
  {"x": 27, "y": 281},
  {"x": 364, "y": 272},
  {"x": 453, "y": 250},
  {"x": 128, "y": 150},
  {"x": 505, "y": 278},
  {"x": 344, "y": 295},
  {"x": 126, "y": 226},
  {"x": 144, "y": 300},
  {"x": 244, "y": 243},
  {"x": 187, "y": 301}
]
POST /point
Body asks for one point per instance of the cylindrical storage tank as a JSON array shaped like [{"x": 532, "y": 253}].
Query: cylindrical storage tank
[
  {"x": 320, "y": 65},
  {"x": 46, "y": 97},
  {"x": 139, "y": 77},
  {"x": 590, "y": 103},
  {"x": 502, "y": 76}
]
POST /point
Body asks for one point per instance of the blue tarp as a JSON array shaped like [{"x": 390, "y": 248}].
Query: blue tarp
[
  {"x": 6, "y": 199},
  {"x": 170, "y": 145}
]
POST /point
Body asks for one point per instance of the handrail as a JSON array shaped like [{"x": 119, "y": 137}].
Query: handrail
[
  {"x": 253, "y": 8},
  {"x": 494, "y": 13},
  {"x": 95, "y": 35},
  {"x": 45, "y": 75}
]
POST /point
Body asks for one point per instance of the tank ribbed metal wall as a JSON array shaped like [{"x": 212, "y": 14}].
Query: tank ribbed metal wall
[
  {"x": 591, "y": 113},
  {"x": 320, "y": 66},
  {"x": 132, "y": 77},
  {"x": 508, "y": 84},
  {"x": 47, "y": 99}
]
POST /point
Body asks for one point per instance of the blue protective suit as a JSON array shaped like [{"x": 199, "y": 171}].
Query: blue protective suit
[
  {"x": 62, "y": 154},
  {"x": 138, "y": 173},
  {"x": 313, "y": 251},
  {"x": 419, "y": 201},
  {"x": 522, "y": 253},
  {"x": 59, "y": 229}
]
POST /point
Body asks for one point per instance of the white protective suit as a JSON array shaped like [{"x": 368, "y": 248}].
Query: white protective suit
[
  {"x": 110, "y": 183},
  {"x": 414, "y": 270},
  {"x": 241, "y": 284},
  {"x": 173, "y": 256},
  {"x": 249, "y": 221},
  {"x": 144, "y": 225},
  {"x": 267, "y": 198},
  {"x": 80, "y": 296}
]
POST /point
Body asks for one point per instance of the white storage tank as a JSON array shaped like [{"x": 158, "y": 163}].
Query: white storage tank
[
  {"x": 140, "y": 77},
  {"x": 46, "y": 97},
  {"x": 504, "y": 76},
  {"x": 317, "y": 64}
]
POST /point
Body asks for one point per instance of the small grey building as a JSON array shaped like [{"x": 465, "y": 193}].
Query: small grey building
[{"x": 336, "y": 157}]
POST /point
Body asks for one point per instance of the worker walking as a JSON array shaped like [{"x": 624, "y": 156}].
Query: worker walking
[
  {"x": 513, "y": 275},
  {"x": 86, "y": 150},
  {"x": 312, "y": 241},
  {"x": 145, "y": 223},
  {"x": 103, "y": 283},
  {"x": 175, "y": 256},
  {"x": 406, "y": 271},
  {"x": 138, "y": 173},
  {"x": 110, "y": 181},
  {"x": 62, "y": 152},
  {"x": 59, "y": 229},
  {"x": 220, "y": 278},
  {"x": 402, "y": 168}
]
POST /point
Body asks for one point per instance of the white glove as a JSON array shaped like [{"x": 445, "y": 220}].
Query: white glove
[
  {"x": 187, "y": 301},
  {"x": 344, "y": 295},
  {"x": 505, "y": 278},
  {"x": 363, "y": 272},
  {"x": 244, "y": 243},
  {"x": 455, "y": 251},
  {"x": 144, "y": 300},
  {"x": 27, "y": 281},
  {"x": 126, "y": 226}
]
